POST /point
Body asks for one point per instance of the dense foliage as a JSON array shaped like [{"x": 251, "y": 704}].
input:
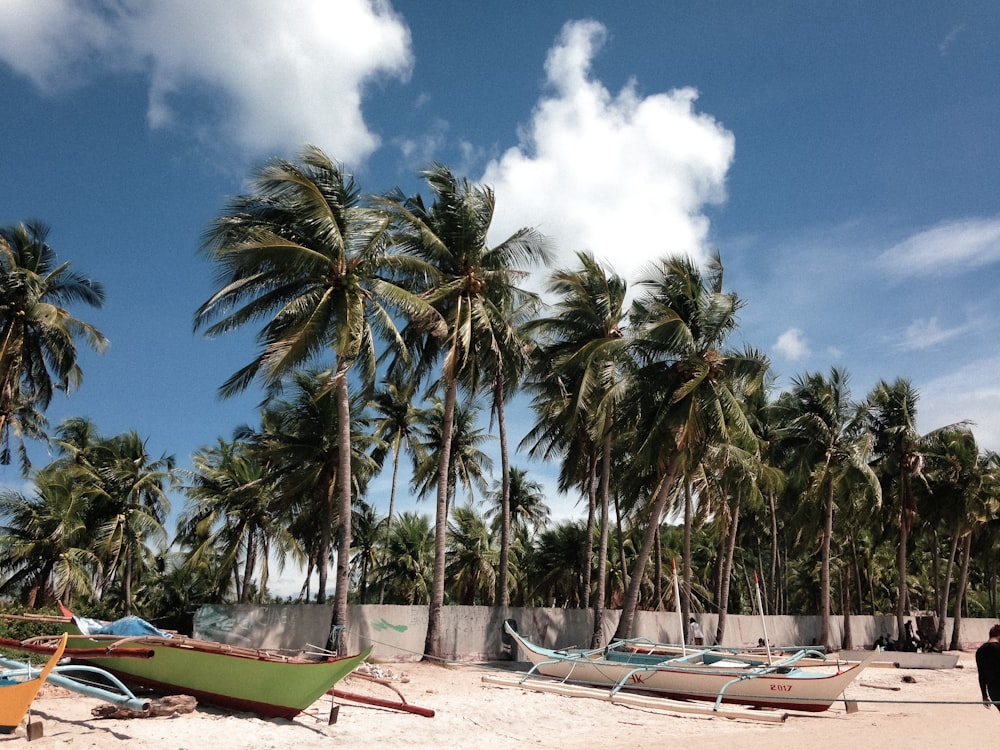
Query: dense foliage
[{"x": 390, "y": 328}]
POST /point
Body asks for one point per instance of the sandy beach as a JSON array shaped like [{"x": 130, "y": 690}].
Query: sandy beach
[{"x": 938, "y": 708}]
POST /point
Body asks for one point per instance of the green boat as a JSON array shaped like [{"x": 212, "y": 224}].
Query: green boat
[{"x": 264, "y": 682}]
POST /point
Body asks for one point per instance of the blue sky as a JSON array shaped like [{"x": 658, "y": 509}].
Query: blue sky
[{"x": 842, "y": 158}]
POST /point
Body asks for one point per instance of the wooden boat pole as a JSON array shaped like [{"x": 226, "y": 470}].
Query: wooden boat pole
[{"x": 382, "y": 703}]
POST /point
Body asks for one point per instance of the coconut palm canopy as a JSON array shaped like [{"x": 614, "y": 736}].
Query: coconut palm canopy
[{"x": 850, "y": 212}]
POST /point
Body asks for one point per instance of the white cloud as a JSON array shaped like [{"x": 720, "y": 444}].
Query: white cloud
[
  {"x": 944, "y": 47},
  {"x": 625, "y": 176},
  {"x": 927, "y": 333},
  {"x": 946, "y": 249},
  {"x": 792, "y": 345},
  {"x": 48, "y": 41},
  {"x": 278, "y": 75}
]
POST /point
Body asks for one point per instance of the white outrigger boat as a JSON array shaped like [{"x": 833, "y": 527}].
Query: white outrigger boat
[{"x": 701, "y": 674}]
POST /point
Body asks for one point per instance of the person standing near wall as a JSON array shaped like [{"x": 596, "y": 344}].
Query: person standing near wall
[
  {"x": 697, "y": 636},
  {"x": 988, "y": 665}
]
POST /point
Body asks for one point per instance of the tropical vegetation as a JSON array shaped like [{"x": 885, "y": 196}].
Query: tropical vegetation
[{"x": 392, "y": 337}]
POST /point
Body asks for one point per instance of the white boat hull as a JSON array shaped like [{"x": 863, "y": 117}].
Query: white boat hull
[{"x": 726, "y": 681}]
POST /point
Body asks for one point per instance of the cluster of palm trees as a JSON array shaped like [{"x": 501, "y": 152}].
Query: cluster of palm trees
[{"x": 387, "y": 323}]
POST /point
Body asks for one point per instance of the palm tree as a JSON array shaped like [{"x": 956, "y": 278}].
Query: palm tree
[
  {"x": 367, "y": 525},
  {"x": 468, "y": 464},
  {"x": 472, "y": 277},
  {"x": 954, "y": 477},
  {"x": 397, "y": 420},
  {"x": 688, "y": 390},
  {"x": 235, "y": 513},
  {"x": 303, "y": 251},
  {"x": 526, "y": 503},
  {"x": 583, "y": 348},
  {"x": 506, "y": 356},
  {"x": 299, "y": 440},
  {"x": 473, "y": 557},
  {"x": 828, "y": 451},
  {"x": 892, "y": 417},
  {"x": 37, "y": 334},
  {"x": 45, "y": 544},
  {"x": 407, "y": 567},
  {"x": 560, "y": 555},
  {"x": 131, "y": 493}
]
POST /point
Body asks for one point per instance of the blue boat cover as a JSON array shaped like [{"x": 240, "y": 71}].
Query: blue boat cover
[{"x": 130, "y": 625}]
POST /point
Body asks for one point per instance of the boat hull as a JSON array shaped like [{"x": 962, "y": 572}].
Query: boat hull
[
  {"x": 16, "y": 696},
  {"x": 786, "y": 688},
  {"x": 242, "y": 680}
]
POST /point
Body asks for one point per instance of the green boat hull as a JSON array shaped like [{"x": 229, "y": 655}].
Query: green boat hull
[{"x": 240, "y": 679}]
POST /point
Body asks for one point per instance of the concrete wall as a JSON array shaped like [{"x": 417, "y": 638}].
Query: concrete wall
[{"x": 475, "y": 633}]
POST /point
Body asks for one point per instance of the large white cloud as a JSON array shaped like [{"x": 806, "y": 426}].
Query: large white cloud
[
  {"x": 276, "y": 73},
  {"x": 624, "y": 176}
]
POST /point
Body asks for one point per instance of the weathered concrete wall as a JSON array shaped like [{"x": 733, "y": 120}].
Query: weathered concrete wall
[{"x": 475, "y": 633}]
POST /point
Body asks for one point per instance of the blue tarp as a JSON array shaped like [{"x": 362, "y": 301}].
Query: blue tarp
[{"x": 130, "y": 625}]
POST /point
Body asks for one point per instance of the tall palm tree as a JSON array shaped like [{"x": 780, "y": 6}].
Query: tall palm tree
[
  {"x": 38, "y": 335},
  {"x": 955, "y": 478},
  {"x": 303, "y": 251},
  {"x": 396, "y": 422},
  {"x": 582, "y": 346},
  {"x": 829, "y": 453},
  {"x": 506, "y": 356},
  {"x": 451, "y": 235},
  {"x": 300, "y": 443},
  {"x": 688, "y": 389},
  {"x": 892, "y": 418},
  {"x": 981, "y": 511}
]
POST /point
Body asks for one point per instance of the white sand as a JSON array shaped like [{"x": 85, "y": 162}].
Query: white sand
[{"x": 474, "y": 714}]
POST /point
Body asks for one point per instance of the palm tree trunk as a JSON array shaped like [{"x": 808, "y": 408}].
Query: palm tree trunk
[
  {"x": 324, "y": 498},
  {"x": 344, "y": 491},
  {"x": 845, "y": 603},
  {"x": 127, "y": 582},
  {"x": 902, "y": 593},
  {"x": 963, "y": 583},
  {"x": 392, "y": 503},
  {"x": 658, "y": 571},
  {"x": 946, "y": 592},
  {"x": 248, "y": 565},
  {"x": 602, "y": 548},
  {"x": 503, "y": 582},
  {"x": 774, "y": 552},
  {"x": 631, "y": 601},
  {"x": 727, "y": 572},
  {"x": 825, "y": 633},
  {"x": 432, "y": 643},
  {"x": 585, "y": 578},
  {"x": 622, "y": 562},
  {"x": 685, "y": 602}
]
